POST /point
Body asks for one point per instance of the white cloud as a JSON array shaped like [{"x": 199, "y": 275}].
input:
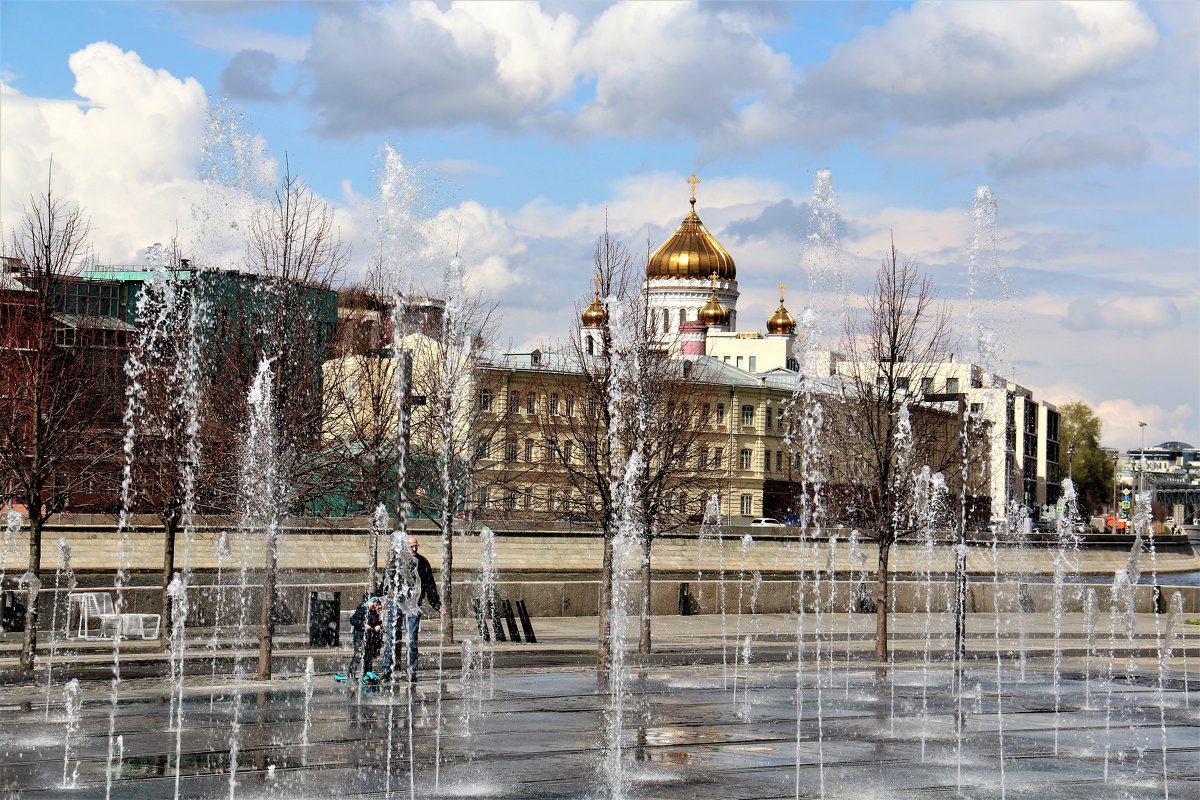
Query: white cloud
[
  {"x": 415, "y": 65},
  {"x": 673, "y": 68},
  {"x": 944, "y": 62},
  {"x": 128, "y": 151},
  {"x": 1128, "y": 314}
]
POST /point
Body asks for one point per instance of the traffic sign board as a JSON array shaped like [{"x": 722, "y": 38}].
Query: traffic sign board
[{"x": 1124, "y": 504}]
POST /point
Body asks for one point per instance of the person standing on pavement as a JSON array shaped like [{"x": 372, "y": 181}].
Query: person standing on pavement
[
  {"x": 428, "y": 592},
  {"x": 427, "y": 586}
]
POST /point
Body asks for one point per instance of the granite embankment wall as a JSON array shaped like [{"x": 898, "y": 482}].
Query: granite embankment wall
[{"x": 554, "y": 568}]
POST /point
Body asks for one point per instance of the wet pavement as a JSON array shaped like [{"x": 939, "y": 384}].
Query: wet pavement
[{"x": 722, "y": 729}]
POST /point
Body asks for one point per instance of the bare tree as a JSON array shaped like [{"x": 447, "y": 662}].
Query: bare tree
[
  {"x": 449, "y": 374},
  {"x": 882, "y": 434},
  {"x": 297, "y": 253},
  {"x": 60, "y": 373},
  {"x": 654, "y": 404},
  {"x": 167, "y": 380}
]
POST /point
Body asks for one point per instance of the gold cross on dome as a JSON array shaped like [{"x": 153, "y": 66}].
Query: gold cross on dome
[
  {"x": 713, "y": 278},
  {"x": 596, "y": 280},
  {"x": 782, "y": 286},
  {"x": 693, "y": 182}
]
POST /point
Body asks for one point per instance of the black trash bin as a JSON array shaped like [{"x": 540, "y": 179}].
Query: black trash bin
[
  {"x": 324, "y": 618},
  {"x": 12, "y": 612}
]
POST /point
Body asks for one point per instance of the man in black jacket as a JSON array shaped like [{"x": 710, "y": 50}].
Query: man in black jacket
[{"x": 428, "y": 592}]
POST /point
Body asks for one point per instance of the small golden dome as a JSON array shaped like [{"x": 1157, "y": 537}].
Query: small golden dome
[
  {"x": 781, "y": 321},
  {"x": 712, "y": 312},
  {"x": 691, "y": 252},
  {"x": 595, "y": 315}
]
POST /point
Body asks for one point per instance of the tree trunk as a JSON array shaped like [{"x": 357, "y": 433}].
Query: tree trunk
[
  {"x": 170, "y": 530},
  {"x": 644, "y": 644},
  {"x": 881, "y": 604},
  {"x": 444, "y": 577},
  {"x": 604, "y": 602},
  {"x": 29, "y": 641},
  {"x": 266, "y": 635},
  {"x": 373, "y": 554}
]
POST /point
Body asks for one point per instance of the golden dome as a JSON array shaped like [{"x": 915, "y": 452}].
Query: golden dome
[
  {"x": 712, "y": 312},
  {"x": 692, "y": 252},
  {"x": 595, "y": 315},
  {"x": 781, "y": 321}
]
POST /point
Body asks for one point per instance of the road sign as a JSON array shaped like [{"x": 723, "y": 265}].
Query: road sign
[
  {"x": 1124, "y": 504},
  {"x": 1125, "y": 492}
]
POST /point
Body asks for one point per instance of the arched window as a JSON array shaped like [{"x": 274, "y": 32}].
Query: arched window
[
  {"x": 591, "y": 347},
  {"x": 666, "y": 315},
  {"x": 682, "y": 317}
]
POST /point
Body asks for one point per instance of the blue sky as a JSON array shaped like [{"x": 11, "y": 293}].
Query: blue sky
[{"x": 527, "y": 124}]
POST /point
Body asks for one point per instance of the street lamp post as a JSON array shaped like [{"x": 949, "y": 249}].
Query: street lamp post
[{"x": 1142, "y": 461}]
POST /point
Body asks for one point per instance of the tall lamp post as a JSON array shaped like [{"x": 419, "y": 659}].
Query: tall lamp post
[
  {"x": 1142, "y": 459},
  {"x": 1116, "y": 460}
]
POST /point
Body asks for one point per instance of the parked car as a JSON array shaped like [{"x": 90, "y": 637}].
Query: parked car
[
  {"x": 769, "y": 522},
  {"x": 695, "y": 519}
]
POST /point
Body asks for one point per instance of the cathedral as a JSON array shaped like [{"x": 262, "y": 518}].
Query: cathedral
[{"x": 692, "y": 293}]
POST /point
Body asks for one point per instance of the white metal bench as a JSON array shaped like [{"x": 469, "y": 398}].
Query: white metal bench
[{"x": 86, "y": 607}]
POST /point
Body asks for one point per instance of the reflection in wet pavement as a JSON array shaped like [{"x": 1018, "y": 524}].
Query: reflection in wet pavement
[{"x": 538, "y": 738}]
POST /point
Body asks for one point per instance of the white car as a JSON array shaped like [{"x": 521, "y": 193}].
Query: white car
[{"x": 767, "y": 521}]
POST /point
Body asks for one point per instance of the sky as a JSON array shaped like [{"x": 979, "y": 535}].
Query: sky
[{"x": 520, "y": 131}]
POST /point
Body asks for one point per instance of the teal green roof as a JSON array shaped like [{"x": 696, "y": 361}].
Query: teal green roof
[{"x": 130, "y": 275}]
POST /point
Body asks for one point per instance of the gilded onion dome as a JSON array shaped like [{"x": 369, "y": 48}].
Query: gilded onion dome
[
  {"x": 595, "y": 315},
  {"x": 781, "y": 321},
  {"x": 692, "y": 252},
  {"x": 712, "y": 312}
]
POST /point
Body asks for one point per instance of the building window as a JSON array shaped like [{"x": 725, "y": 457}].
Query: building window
[
  {"x": 510, "y": 449},
  {"x": 902, "y": 384},
  {"x": 666, "y": 320},
  {"x": 951, "y": 385},
  {"x": 976, "y": 408},
  {"x": 566, "y": 452},
  {"x": 550, "y": 500},
  {"x": 514, "y": 402},
  {"x": 528, "y": 450},
  {"x": 485, "y": 497},
  {"x": 766, "y": 460},
  {"x": 720, "y": 413},
  {"x": 682, "y": 317},
  {"x": 485, "y": 399},
  {"x": 779, "y": 461},
  {"x": 726, "y": 359},
  {"x": 569, "y": 405},
  {"x": 747, "y": 415},
  {"x": 767, "y": 419},
  {"x": 779, "y": 418},
  {"x": 591, "y": 347},
  {"x": 484, "y": 449},
  {"x": 593, "y": 407},
  {"x": 530, "y": 403},
  {"x": 554, "y": 404},
  {"x": 528, "y": 501},
  {"x": 702, "y": 458},
  {"x": 747, "y": 505},
  {"x": 753, "y": 364},
  {"x": 718, "y": 457},
  {"x": 926, "y": 385},
  {"x": 745, "y": 459},
  {"x": 510, "y": 500},
  {"x": 551, "y": 450},
  {"x": 740, "y": 359}
]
